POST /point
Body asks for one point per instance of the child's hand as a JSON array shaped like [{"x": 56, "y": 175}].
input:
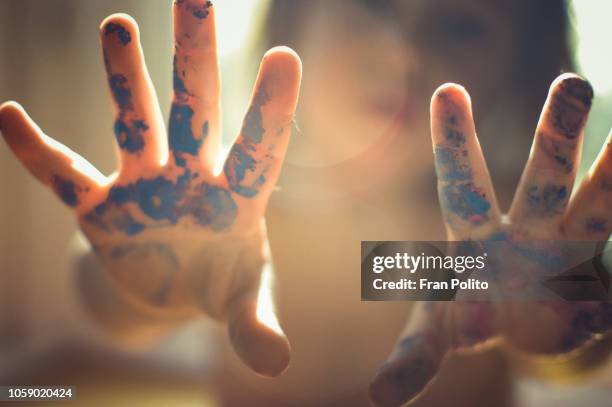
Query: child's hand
[
  {"x": 540, "y": 211},
  {"x": 174, "y": 236}
]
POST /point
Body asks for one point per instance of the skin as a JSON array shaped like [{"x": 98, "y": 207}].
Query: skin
[
  {"x": 361, "y": 168},
  {"x": 377, "y": 97},
  {"x": 176, "y": 239},
  {"x": 364, "y": 326},
  {"x": 540, "y": 219}
]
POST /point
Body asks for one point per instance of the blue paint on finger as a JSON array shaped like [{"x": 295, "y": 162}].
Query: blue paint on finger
[
  {"x": 570, "y": 105},
  {"x": 558, "y": 152},
  {"x": 121, "y": 93},
  {"x": 129, "y": 130},
  {"x": 130, "y": 137},
  {"x": 205, "y": 130},
  {"x": 449, "y": 166},
  {"x": 547, "y": 199},
  {"x": 241, "y": 166},
  {"x": 66, "y": 190},
  {"x": 238, "y": 162},
  {"x": 467, "y": 201},
  {"x": 178, "y": 83},
  {"x": 198, "y": 9},
  {"x": 202, "y": 12},
  {"x": 252, "y": 128},
  {"x": 181, "y": 138},
  {"x": 454, "y": 137},
  {"x": 123, "y": 35}
]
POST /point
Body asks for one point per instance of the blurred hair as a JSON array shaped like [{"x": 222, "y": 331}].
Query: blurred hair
[
  {"x": 541, "y": 29},
  {"x": 542, "y": 32}
]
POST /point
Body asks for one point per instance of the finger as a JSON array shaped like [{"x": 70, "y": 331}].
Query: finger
[
  {"x": 415, "y": 359},
  {"x": 466, "y": 193},
  {"x": 587, "y": 320},
  {"x": 195, "y": 114},
  {"x": 253, "y": 164},
  {"x": 255, "y": 332},
  {"x": 589, "y": 215},
  {"x": 69, "y": 175},
  {"x": 138, "y": 122},
  {"x": 547, "y": 180}
]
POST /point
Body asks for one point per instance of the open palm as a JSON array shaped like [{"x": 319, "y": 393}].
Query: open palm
[
  {"x": 175, "y": 237},
  {"x": 540, "y": 219}
]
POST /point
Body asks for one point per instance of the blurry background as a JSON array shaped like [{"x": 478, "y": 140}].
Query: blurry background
[{"x": 50, "y": 62}]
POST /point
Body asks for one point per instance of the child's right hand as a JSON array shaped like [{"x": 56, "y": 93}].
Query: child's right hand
[
  {"x": 530, "y": 241},
  {"x": 175, "y": 237}
]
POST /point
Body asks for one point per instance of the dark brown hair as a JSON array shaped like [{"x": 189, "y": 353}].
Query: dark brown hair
[
  {"x": 541, "y": 27},
  {"x": 542, "y": 47}
]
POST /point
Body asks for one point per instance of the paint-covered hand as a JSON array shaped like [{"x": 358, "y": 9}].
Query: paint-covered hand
[
  {"x": 540, "y": 220},
  {"x": 176, "y": 237}
]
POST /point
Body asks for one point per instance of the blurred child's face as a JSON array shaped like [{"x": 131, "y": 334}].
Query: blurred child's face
[{"x": 369, "y": 63}]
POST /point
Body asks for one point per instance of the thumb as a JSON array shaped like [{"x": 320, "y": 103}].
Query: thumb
[{"x": 254, "y": 330}]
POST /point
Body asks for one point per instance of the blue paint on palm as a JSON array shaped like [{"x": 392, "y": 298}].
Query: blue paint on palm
[
  {"x": 218, "y": 210},
  {"x": 160, "y": 199},
  {"x": 127, "y": 224},
  {"x": 156, "y": 197},
  {"x": 549, "y": 260}
]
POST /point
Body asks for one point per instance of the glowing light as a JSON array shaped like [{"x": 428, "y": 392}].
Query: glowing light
[
  {"x": 265, "y": 307},
  {"x": 594, "y": 31},
  {"x": 234, "y": 20}
]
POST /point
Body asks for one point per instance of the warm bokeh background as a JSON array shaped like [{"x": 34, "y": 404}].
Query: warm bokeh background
[{"x": 50, "y": 62}]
